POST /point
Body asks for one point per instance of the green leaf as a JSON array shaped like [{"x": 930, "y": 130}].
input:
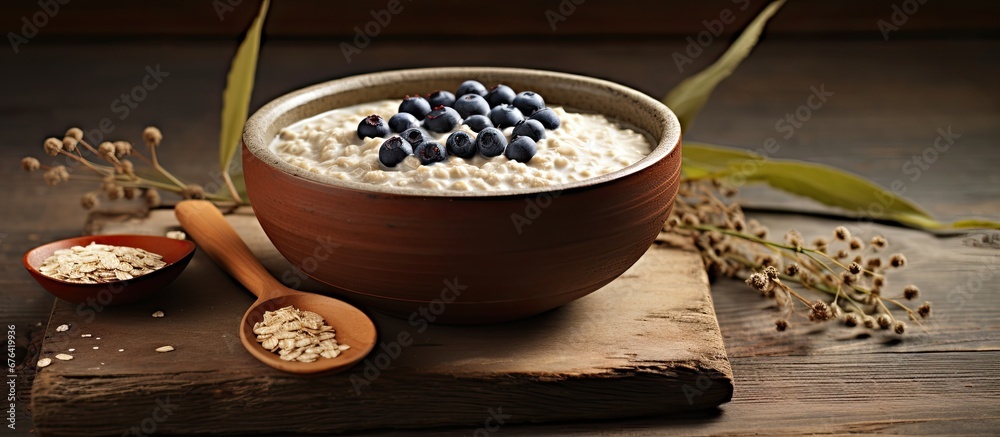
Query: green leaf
[
  {"x": 697, "y": 156},
  {"x": 239, "y": 87},
  {"x": 688, "y": 97},
  {"x": 859, "y": 197},
  {"x": 973, "y": 224}
]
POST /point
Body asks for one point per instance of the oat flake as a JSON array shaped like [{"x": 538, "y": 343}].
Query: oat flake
[
  {"x": 100, "y": 263},
  {"x": 297, "y": 335},
  {"x": 177, "y": 235}
]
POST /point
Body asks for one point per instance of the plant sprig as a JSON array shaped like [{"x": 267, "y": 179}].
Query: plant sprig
[
  {"x": 853, "y": 277},
  {"x": 109, "y": 165}
]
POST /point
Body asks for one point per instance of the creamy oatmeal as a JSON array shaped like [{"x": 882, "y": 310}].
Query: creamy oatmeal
[{"x": 583, "y": 147}]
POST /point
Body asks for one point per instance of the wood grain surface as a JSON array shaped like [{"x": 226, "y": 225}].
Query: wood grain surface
[
  {"x": 891, "y": 97},
  {"x": 646, "y": 344}
]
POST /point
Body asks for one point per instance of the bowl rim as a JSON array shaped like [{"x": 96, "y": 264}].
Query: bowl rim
[{"x": 257, "y": 144}]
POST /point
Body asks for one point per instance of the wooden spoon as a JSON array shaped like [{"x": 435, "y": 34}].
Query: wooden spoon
[{"x": 217, "y": 238}]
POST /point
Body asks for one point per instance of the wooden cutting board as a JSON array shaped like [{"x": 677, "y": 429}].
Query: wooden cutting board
[{"x": 646, "y": 344}]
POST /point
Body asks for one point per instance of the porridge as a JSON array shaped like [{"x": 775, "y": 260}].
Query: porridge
[{"x": 481, "y": 141}]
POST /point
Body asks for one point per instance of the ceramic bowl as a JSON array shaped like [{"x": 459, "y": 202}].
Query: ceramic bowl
[
  {"x": 176, "y": 253},
  {"x": 470, "y": 257}
]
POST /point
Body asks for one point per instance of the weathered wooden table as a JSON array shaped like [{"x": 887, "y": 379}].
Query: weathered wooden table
[{"x": 890, "y": 99}]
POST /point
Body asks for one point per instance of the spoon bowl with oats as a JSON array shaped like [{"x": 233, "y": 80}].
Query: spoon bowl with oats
[
  {"x": 108, "y": 270},
  {"x": 290, "y": 330}
]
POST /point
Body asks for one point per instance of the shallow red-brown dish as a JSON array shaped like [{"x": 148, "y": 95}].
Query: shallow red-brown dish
[
  {"x": 450, "y": 257},
  {"x": 176, "y": 253}
]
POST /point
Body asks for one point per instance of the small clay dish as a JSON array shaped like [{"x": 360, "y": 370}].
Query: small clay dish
[{"x": 176, "y": 253}]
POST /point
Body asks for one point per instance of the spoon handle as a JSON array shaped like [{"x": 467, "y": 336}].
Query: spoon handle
[{"x": 219, "y": 240}]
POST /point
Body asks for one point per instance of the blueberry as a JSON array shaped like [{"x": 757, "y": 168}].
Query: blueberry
[
  {"x": 416, "y": 105},
  {"x": 490, "y": 142},
  {"x": 441, "y": 98},
  {"x": 529, "y": 102},
  {"x": 373, "y": 126},
  {"x": 529, "y": 128},
  {"x": 461, "y": 144},
  {"x": 499, "y": 95},
  {"x": 521, "y": 149},
  {"x": 478, "y": 122},
  {"x": 442, "y": 119},
  {"x": 547, "y": 117},
  {"x": 393, "y": 151},
  {"x": 471, "y": 87},
  {"x": 403, "y": 121},
  {"x": 414, "y": 136},
  {"x": 472, "y": 104},
  {"x": 429, "y": 152},
  {"x": 505, "y": 115}
]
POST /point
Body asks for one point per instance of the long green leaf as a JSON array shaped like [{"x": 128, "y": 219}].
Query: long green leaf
[
  {"x": 714, "y": 158},
  {"x": 239, "y": 87},
  {"x": 859, "y": 197},
  {"x": 688, "y": 97}
]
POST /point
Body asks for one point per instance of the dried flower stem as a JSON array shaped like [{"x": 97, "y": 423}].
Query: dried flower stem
[
  {"x": 732, "y": 246},
  {"x": 232, "y": 187},
  {"x": 163, "y": 171},
  {"x": 89, "y": 147},
  {"x": 119, "y": 179}
]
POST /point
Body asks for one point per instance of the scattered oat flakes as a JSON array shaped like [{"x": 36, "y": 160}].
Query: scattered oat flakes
[
  {"x": 71, "y": 349},
  {"x": 158, "y": 314},
  {"x": 62, "y": 328},
  {"x": 164, "y": 348},
  {"x": 177, "y": 235},
  {"x": 97, "y": 338},
  {"x": 100, "y": 263},
  {"x": 96, "y": 347},
  {"x": 85, "y": 335},
  {"x": 44, "y": 362},
  {"x": 64, "y": 357},
  {"x": 297, "y": 335},
  {"x": 121, "y": 350}
]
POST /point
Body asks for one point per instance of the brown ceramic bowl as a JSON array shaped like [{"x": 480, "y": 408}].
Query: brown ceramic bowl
[
  {"x": 450, "y": 257},
  {"x": 176, "y": 253}
]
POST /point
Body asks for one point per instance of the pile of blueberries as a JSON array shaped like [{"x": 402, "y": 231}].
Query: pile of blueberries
[{"x": 485, "y": 112}]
